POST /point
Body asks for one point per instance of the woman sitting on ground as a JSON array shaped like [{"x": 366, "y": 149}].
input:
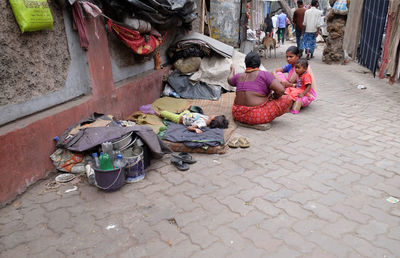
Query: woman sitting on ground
[
  {"x": 292, "y": 55},
  {"x": 259, "y": 96}
]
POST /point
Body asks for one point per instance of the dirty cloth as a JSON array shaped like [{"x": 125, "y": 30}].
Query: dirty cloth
[
  {"x": 67, "y": 161},
  {"x": 91, "y": 9},
  {"x": 190, "y": 51},
  {"x": 215, "y": 69},
  {"x": 188, "y": 90},
  {"x": 352, "y": 32},
  {"x": 216, "y": 45},
  {"x": 91, "y": 121},
  {"x": 91, "y": 137},
  {"x": 161, "y": 12},
  {"x": 153, "y": 121},
  {"x": 79, "y": 25},
  {"x": 210, "y": 137},
  {"x": 373, "y": 25},
  {"x": 172, "y": 105},
  {"x": 135, "y": 41},
  {"x": 147, "y": 109}
]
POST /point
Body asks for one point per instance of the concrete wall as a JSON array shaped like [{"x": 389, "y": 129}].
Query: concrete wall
[
  {"x": 27, "y": 143},
  {"x": 225, "y": 20}
]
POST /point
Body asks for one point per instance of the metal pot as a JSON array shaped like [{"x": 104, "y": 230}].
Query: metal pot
[{"x": 122, "y": 142}]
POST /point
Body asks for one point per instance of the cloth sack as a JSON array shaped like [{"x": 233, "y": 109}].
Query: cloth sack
[
  {"x": 340, "y": 7},
  {"x": 188, "y": 65}
]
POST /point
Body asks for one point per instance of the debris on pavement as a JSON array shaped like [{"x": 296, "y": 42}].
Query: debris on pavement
[
  {"x": 393, "y": 200},
  {"x": 52, "y": 185},
  {"x": 63, "y": 178},
  {"x": 72, "y": 189},
  {"x": 361, "y": 87},
  {"x": 111, "y": 226}
]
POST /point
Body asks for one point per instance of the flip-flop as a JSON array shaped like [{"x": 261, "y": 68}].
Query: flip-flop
[
  {"x": 234, "y": 142},
  {"x": 243, "y": 142},
  {"x": 294, "y": 111},
  {"x": 179, "y": 164},
  {"x": 185, "y": 157}
]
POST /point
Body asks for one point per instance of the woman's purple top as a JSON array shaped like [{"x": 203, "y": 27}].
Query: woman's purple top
[{"x": 259, "y": 85}]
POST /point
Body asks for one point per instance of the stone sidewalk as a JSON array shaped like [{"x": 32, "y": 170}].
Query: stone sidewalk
[{"x": 313, "y": 185}]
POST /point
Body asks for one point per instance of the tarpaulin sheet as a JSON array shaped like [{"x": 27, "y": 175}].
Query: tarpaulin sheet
[
  {"x": 215, "y": 70},
  {"x": 373, "y": 25},
  {"x": 216, "y": 45},
  {"x": 188, "y": 90}
]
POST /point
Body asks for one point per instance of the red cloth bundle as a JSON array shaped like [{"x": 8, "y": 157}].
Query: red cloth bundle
[{"x": 135, "y": 41}]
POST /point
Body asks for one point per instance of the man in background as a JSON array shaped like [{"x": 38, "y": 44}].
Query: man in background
[
  {"x": 312, "y": 21},
  {"x": 274, "y": 25},
  {"x": 269, "y": 27},
  {"x": 298, "y": 18},
  {"x": 281, "y": 22}
]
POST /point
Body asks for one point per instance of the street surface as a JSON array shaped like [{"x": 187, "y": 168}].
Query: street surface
[{"x": 314, "y": 185}]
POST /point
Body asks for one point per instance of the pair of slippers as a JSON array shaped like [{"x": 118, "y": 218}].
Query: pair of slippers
[
  {"x": 236, "y": 142},
  {"x": 182, "y": 160}
]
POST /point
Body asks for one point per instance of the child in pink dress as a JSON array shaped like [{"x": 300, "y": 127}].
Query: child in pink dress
[{"x": 300, "y": 92}]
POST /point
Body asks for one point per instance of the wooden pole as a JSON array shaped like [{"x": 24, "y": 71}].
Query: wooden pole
[{"x": 203, "y": 10}]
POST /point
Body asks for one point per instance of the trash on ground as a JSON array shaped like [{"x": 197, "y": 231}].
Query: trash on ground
[
  {"x": 63, "y": 178},
  {"x": 52, "y": 185},
  {"x": 112, "y": 226},
  {"x": 393, "y": 200},
  {"x": 72, "y": 189},
  {"x": 361, "y": 87}
]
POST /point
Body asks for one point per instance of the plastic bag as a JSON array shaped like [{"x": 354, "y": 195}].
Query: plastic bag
[
  {"x": 32, "y": 15},
  {"x": 340, "y": 7},
  {"x": 68, "y": 161}
]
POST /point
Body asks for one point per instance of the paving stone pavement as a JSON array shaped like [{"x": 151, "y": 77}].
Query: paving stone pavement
[{"x": 313, "y": 185}]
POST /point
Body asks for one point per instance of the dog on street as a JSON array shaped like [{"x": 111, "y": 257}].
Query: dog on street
[{"x": 268, "y": 44}]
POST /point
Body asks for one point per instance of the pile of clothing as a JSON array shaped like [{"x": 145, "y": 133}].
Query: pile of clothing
[
  {"x": 140, "y": 25},
  {"x": 191, "y": 55}
]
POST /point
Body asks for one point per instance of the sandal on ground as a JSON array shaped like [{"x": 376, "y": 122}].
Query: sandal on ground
[
  {"x": 294, "y": 111},
  {"x": 261, "y": 127},
  {"x": 185, "y": 157},
  {"x": 243, "y": 142},
  {"x": 179, "y": 164},
  {"x": 234, "y": 142}
]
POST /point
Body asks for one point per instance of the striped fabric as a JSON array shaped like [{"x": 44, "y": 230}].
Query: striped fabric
[{"x": 373, "y": 25}]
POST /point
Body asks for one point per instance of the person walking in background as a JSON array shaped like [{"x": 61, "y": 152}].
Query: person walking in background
[
  {"x": 298, "y": 18},
  {"x": 281, "y": 23},
  {"x": 274, "y": 25},
  {"x": 312, "y": 22},
  {"x": 268, "y": 25}
]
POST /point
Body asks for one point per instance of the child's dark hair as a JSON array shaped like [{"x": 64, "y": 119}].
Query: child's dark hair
[
  {"x": 303, "y": 62},
  {"x": 293, "y": 49},
  {"x": 219, "y": 122},
  {"x": 252, "y": 60}
]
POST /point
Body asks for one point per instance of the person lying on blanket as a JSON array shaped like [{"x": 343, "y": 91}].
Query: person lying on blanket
[
  {"x": 254, "y": 102},
  {"x": 195, "y": 121}
]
